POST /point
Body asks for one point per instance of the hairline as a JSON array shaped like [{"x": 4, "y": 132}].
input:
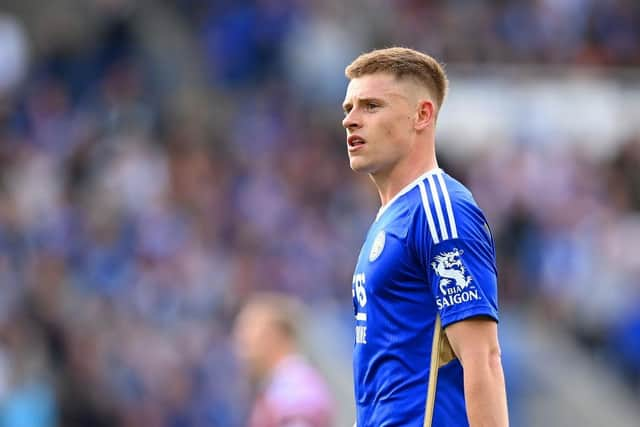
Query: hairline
[{"x": 404, "y": 78}]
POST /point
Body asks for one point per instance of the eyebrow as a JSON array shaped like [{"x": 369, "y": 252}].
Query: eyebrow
[{"x": 347, "y": 104}]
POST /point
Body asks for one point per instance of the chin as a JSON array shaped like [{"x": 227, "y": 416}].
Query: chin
[{"x": 359, "y": 165}]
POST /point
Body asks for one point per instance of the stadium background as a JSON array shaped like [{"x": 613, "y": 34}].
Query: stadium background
[{"x": 161, "y": 160}]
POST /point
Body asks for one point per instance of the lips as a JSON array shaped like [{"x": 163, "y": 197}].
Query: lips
[{"x": 355, "y": 142}]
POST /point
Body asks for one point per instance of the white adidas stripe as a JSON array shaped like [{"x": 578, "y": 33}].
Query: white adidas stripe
[
  {"x": 440, "y": 212},
  {"x": 436, "y": 203},
  {"x": 427, "y": 210},
  {"x": 449, "y": 209}
]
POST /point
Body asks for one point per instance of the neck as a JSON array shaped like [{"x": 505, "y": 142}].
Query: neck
[{"x": 390, "y": 183}]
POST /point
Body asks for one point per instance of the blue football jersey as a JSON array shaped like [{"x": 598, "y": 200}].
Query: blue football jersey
[{"x": 429, "y": 251}]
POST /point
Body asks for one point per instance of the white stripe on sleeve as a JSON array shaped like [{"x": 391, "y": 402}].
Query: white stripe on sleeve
[
  {"x": 427, "y": 210},
  {"x": 436, "y": 203},
  {"x": 449, "y": 209}
]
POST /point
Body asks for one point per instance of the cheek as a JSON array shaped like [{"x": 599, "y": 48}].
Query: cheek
[
  {"x": 387, "y": 128},
  {"x": 396, "y": 126},
  {"x": 394, "y": 134}
]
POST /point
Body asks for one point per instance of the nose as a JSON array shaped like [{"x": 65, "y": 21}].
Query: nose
[{"x": 351, "y": 121}]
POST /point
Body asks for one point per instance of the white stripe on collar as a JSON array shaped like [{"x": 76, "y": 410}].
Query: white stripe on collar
[{"x": 406, "y": 189}]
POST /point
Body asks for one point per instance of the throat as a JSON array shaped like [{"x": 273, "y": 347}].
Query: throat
[
  {"x": 390, "y": 193},
  {"x": 391, "y": 185}
]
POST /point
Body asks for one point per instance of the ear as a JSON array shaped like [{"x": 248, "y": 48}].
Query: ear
[{"x": 425, "y": 114}]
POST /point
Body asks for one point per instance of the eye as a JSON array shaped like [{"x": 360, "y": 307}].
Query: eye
[{"x": 371, "y": 106}]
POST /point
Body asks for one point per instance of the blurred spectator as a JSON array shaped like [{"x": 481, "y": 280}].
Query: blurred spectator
[{"x": 288, "y": 390}]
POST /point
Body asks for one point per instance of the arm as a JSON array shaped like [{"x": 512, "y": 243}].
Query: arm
[{"x": 475, "y": 342}]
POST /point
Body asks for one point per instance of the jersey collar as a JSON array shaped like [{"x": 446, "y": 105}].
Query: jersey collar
[{"x": 406, "y": 189}]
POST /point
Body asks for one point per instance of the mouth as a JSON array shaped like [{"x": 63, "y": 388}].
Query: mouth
[{"x": 355, "y": 142}]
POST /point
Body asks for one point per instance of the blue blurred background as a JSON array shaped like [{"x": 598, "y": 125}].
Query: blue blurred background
[{"x": 162, "y": 160}]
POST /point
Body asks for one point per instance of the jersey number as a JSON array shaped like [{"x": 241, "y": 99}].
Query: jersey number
[{"x": 358, "y": 283}]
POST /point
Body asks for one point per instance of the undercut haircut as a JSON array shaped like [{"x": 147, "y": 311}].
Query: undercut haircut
[{"x": 403, "y": 63}]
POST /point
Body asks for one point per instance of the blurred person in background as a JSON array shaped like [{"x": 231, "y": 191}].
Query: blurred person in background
[
  {"x": 289, "y": 391},
  {"x": 428, "y": 262}
]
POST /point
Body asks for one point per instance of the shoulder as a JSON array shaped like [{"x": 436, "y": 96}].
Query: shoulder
[
  {"x": 447, "y": 207},
  {"x": 437, "y": 207}
]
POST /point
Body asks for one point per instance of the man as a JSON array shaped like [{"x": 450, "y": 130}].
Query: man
[
  {"x": 424, "y": 290},
  {"x": 290, "y": 392}
]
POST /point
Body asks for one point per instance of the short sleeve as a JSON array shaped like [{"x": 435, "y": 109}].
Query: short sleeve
[
  {"x": 457, "y": 250},
  {"x": 463, "y": 279}
]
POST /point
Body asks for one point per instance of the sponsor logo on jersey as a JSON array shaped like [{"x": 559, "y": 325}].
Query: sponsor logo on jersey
[
  {"x": 377, "y": 247},
  {"x": 454, "y": 281}
]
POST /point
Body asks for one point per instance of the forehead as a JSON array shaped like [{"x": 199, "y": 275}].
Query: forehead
[{"x": 379, "y": 85}]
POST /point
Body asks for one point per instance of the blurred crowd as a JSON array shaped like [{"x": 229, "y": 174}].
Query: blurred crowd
[{"x": 135, "y": 220}]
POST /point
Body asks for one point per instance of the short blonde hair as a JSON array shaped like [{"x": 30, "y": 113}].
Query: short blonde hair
[{"x": 403, "y": 62}]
